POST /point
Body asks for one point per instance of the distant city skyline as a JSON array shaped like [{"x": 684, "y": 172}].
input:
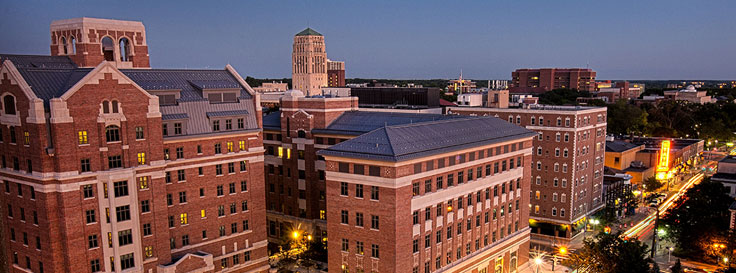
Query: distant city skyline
[{"x": 647, "y": 40}]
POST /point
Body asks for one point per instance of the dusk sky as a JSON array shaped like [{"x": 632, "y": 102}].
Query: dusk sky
[{"x": 640, "y": 39}]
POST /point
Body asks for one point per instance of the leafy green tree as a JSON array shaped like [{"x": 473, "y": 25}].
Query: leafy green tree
[
  {"x": 651, "y": 184},
  {"x": 610, "y": 253},
  {"x": 627, "y": 119},
  {"x": 699, "y": 220}
]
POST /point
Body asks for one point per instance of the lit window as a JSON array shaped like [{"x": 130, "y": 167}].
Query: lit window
[
  {"x": 83, "y": 137},
  {"x": 143, "y": 182},
  {"x": 26, "y": 138},
  {"x": 281, "y": 152},
  {"x": 203, "y": 214},
  {"x": 241, "y": 145},
  {"x": 229, "y": 146},
  {"x": 141, "y": 158},
  {"x": 148, "y": 251},
  {"x": 184, "y": 219}
]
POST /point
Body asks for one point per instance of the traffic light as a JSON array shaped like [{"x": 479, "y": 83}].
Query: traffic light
[{"x": 607, "y": 230}]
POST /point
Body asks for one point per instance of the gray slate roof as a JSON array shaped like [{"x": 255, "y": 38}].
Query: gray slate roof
[
  {"x": 619, "y": 146},
  {"x": 360, "y": 122},
  {"x": 48, "y": 76},
  {"x": 174, "y": 116},
  {"x": 191, "y": 82},
  {"x": 410, "y": 141},
  {"x": 230, "y": 113}
]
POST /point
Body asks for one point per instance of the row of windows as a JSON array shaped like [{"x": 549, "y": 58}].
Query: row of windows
[
  {"x": 185, "y": 240},
  {"x": 126, "y": 261},
  {"x": 228, "y": 124},
  {"x": 16, "y": 164},
  {"x": 13, "y": 136},
  {"x": 182, "y": 177},
  {"x": 479, "y": 197},
  {"x": 25, "y": 239},
  {"x": 358, "y": 190},
  {"x": 22, "y": 214},
  {"x": 359, "y": 221},
  {"x": 470, "y": 174},
  {"x": 28, "y": 265},
  {"x": 20, "y": 188},
  {"x": 112, "y": 134},
  {"x": 229, "y": 148},
  {"x": 225, "y": 262},
  {"x": 359, "y": 248},
  {"x": 471, "y": 156},
  {"x": 122, "y": 213}
]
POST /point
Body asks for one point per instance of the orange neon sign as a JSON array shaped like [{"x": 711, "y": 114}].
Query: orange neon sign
[{"x": 664, "y": 157}]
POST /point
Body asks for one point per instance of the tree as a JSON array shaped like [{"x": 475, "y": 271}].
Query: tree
[
  {"x": 677, "y": 268},
  {"x": 698, "y": 223},
  {"x": 626, "y": 119},
  {"x": 651, "y": 184},
  {"x": 610, "y": 253}
]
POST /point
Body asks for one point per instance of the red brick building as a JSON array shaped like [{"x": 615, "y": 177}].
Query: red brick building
[
  {"x": 535, "y": 81},
  {"x": 111, "y": 169},
  {"x": 436, "y": 196},
  {"x": 335, "y": 73},
  {"x": 295, "y": 174},
  {"x": 567, "y": 166}
]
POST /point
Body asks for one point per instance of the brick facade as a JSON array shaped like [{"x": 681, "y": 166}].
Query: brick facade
[
  {"x": 87, "y": 183},
  {"x": 567, "y": 166}
]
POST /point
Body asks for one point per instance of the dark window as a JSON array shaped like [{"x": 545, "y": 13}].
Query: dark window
[
  {"x": 374, "y": 171},
  {"x": 9, "y": 105},
  {"x": 121, "y": 188},
  {"x": 122, "y": 213},
  {"x": 139, "y": 133},
  {"x": 85, "y": 166},
  {"x": 145, "y": 206},
  {"x": 374, "y": 193},
  {"x": 125, "y": 237},
  {"x": 112, "y": 133},
  {"x": 92, "y": 241},
  {"x": 88, "y": 191},
  {"x": 127, "y": 261},
  {"x": 115, "y": 161},
  {"x": 343, "y": 167}
]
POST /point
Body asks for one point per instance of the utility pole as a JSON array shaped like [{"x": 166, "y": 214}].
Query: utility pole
[{"x": 654, "y": 236}]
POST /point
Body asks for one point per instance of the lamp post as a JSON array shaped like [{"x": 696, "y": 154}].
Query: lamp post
[
  {"x": 538, "y": 262},
  {"x": 669, "y": 254}
]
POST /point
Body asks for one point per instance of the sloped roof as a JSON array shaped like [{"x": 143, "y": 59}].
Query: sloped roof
[
  {"x": 191, "y": 82},
  {"x": 308, "y": 32},
  {"x": 619, "y": 146},
  {"x": 230, "y": 113},
  {"x": 174, "y": 116},
  {"x": 360, "y": 122},
  {"x": 406, "y": 142},
  {"x": 39, "y": 61}
]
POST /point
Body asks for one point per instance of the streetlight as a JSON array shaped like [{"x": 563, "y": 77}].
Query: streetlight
[
  {"x": 669, "y": 254},
  {"x": 538, "y": 261}
]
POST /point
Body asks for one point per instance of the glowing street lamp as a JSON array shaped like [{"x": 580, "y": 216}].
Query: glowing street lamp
[{"x": 538, "y": 262}]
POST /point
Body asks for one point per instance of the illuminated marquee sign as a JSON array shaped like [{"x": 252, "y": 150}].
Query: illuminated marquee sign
[{"x": 663, "y": 166}]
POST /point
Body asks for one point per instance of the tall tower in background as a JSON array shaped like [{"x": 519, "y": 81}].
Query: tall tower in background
[{"x": 309, "y": 62}]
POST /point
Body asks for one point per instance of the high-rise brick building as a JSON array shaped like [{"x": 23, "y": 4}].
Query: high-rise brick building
[
  {"x": 111, "y": 169},
  {"x": 530, "y": 81},
  {"x": 309, "y": 62},
  {"x": 567, "y": 166},
  {"x": 335, "y": 73},
  {"x": 436, "y": 196},
  {"x": 295, "y": 175}
]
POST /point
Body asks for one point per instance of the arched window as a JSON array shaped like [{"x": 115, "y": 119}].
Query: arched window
[
  {"x": 105, "y": 107},
  {"x": 63, "y": 46},
  {"x": 301, "y": 134},
  {"x": 9, "y": 104},
  {"x": 73, "y": 45},
  {"x": 114, "y": 106},
  {"x": 112, "y": 133},
  {"x": 124, "y": 50},
  {"x": 108, "y": 49}
]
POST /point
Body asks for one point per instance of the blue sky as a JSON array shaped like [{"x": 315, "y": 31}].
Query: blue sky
[{"x": 643, "y": 39}]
